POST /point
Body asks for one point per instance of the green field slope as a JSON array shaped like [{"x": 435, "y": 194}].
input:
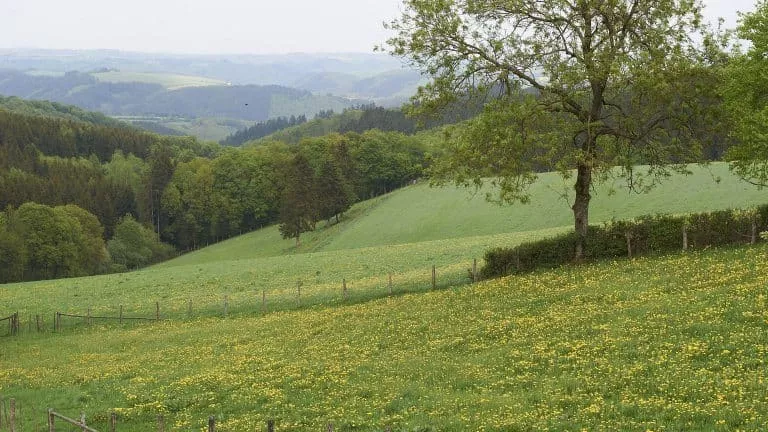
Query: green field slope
[
  {"x": 420, "y": 213},
  {"x": 663, "y": 344},
  {"x": 403, "y": 234},
  {"x": 169, "y": 81}
]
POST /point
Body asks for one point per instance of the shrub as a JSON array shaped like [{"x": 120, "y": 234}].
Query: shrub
[{"x": 644, "y": 235}]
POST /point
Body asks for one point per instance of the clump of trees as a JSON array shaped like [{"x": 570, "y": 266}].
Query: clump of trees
[
  {"x": 43, "y": 242},
  {"x": 262, "y": 129},
  {"x": 207, "y": 200},
  {"x": 188, "y": 193}
]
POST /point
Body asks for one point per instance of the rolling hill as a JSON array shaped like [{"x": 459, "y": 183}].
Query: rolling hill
[
  {"x": 253, "y": 322},
  {"x": 665, "y": 343}
]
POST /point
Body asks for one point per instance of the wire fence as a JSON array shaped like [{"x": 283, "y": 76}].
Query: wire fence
[
  {"x": 12, "y": 420},
  {"x": 301, "y": 295}
]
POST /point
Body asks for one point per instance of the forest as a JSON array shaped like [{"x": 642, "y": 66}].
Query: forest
[{"x": 82, "y": 198}]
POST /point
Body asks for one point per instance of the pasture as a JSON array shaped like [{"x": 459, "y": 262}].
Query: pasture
[
  {"x": 167, "y": 80},
  {"x": 256, "y": 329},
  {"x": 665, "y": 343}
]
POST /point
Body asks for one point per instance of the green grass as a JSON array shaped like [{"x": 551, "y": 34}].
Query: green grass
[
  {"x": 169, "y": 81},
  {"x": 420, "y": 213},
  {"x": 666, "y": 343},
  {"x": 366, "y": 271}
]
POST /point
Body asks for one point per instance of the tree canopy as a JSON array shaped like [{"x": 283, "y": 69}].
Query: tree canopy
[
  {"x": 746, "y": 96},
  {"x": 583, "y": 86}
]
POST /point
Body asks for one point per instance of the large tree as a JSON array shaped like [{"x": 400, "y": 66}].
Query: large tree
[
  {"x": 579, "y": 86},
  {"x": 298, "y": 207},
  {"x": 746, "y": 96}
]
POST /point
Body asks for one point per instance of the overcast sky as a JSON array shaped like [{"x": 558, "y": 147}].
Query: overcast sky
[{"x": 216, "y": 26}]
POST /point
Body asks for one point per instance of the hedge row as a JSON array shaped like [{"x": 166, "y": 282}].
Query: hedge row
[{"x": 644, "y": 235}]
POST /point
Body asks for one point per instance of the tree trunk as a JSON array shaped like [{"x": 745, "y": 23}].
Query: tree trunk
[{"x": 581, "y": 208}]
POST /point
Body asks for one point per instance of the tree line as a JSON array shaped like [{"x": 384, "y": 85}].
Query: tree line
[
  {"x": 262, "y": 129},
  {"x": 207, "y": 200},
  {"x": 182, "y": 192}
]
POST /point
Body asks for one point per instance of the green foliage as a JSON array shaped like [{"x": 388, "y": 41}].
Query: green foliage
[
  {"x": 317, "y": 127},
  {"x": 744, "y": 94},
  {"x": 135, "y": 245},
  {"x": 335, "y": 194},
  {"x": 56, "y": 242},
  {"x": 262, "y": 129},
  {"x": 298, "y": 206},
  {"x": 13, "y": 253},
  {"x": 92, "y": 249},
  {"x": 644, "y": 235},
  {"x": 615, "y": 83},
  {"x": 40, "y": 108}
]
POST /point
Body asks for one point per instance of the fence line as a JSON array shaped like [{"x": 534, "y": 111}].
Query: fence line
[
  {"x": 302, "y": 296},
  {"x": 11, "y": 420}
]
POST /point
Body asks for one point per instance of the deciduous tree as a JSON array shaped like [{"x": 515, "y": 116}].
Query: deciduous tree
[
  {"x": 745, "y": 94},
  {"x": 606, "y": 83}
]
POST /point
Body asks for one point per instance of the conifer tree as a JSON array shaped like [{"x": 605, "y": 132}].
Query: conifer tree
[{"x": 298, "y": 210}]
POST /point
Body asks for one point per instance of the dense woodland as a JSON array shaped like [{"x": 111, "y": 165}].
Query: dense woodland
[
  {"x": 128, "y": 190},
  {"x": 262, "y": 129}
]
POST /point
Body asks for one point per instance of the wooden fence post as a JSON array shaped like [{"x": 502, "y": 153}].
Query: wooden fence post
[
  {"x": 37, "y": 321},
  {"x": 88, "y": 317},
  {"x": 211, "y": 424},
  {"x": 298, "y": 292},
  {"x": 390, "y": 284},
  {"x": 55, "y": 322},
  {"x": 434, "y": 277},
  {"x": 121, "y": 314},
  {"x": 160, "y": 423},
  {"x": 189, "y": 308},
  {"x": 12, "y": 416},
  {"x": 753, "y": 237},
  {"x": 270, "y": 425},
  {"x": 344, "y": 288},
  {"x": 226, "y": 305},
  {"x": 628, "y": 235},
  {"x": 157, "y": 311},
  {"x": 263, "y": 300},
  {"x": 685, "y": 238},
  {"x": 51, "y": 420},
  {"x": 112, "y": 422},
  {"x": 474, "y": 271}
]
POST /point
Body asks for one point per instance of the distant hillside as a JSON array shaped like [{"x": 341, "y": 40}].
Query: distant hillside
[
  {"x": 249, "y": 102},
  {"x": 56, "y": 111},
  {"x": 280, "y": 69},
  {"x": 262, "y": 129},
  {"x": 314, "y": 128},
  {"x": 169, "y": 81},
  {"x": 368, "y": 117},
  {"x": 389, "y": 89},
  {"x": 375, "y": 77}
]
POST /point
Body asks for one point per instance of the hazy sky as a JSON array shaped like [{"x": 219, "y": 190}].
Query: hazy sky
[{"x": 216, "y": 26}]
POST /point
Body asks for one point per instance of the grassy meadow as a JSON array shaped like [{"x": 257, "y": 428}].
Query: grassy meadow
[
  {"x": 169, "y": 81},
  {"x": 663, "y": 343}
]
